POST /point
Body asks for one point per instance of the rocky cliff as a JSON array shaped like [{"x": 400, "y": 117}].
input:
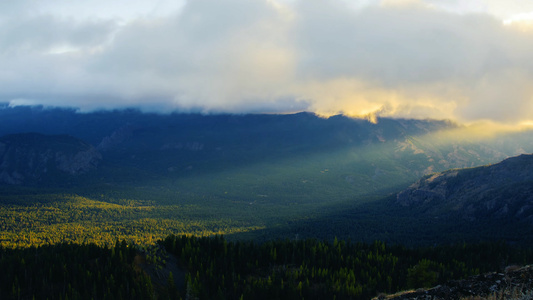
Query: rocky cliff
[{"x": 31, "y": 158}]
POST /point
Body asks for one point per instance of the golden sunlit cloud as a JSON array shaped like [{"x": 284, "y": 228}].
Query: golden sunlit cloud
[
  {"x": 522, "y": 21},
  {"x": 355, "y": 98},
  {"x": 392, "y": 3},
  {"x": 381, "y": 58},
  {"x": 474, "y": 132},
  {"x": 342, "y": 96},
  {"x": 526, "y": 125}
]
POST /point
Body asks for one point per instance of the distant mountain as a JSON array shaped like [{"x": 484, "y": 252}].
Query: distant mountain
[
  {"x": 292, "y": 156},
  {"x": 111, "y": 130},
  {"x": 210, "y": 143},
  {"x": 159, "y": 146},
  {"x": 29, "y": 158}
]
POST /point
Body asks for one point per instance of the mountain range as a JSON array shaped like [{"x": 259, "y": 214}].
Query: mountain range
[{"x": 292, "y": 175}]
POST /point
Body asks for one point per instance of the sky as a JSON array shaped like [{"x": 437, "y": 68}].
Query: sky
[{"x": 465, "y": 60}]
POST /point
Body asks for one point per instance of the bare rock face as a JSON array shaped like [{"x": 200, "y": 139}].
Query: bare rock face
[
  {"x": 31, "y": 157},
  {"x": 78, "y": 163},
  {"x": 117, "y": 137},
  {"x": 427, "y": 189}
]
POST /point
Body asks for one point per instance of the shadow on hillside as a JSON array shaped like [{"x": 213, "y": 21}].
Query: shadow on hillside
[{"x": 387, "y": 221}]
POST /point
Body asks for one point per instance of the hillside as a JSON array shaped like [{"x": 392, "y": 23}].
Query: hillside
[
  {"x": 488, "y": 203},
  {"x": 501, "y": 191}
]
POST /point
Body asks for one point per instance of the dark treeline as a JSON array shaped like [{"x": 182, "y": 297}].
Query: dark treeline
[
  {"x": 312, "y": 269},
  {"x": 218, "y": 269},
  {"x": 69, "y": 271}
]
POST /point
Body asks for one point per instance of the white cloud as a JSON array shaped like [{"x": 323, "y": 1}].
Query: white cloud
[{"x": 408, "y": 59}]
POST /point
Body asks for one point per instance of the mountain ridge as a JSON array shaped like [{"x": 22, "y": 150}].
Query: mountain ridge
[{"x": 499, "y": 190}]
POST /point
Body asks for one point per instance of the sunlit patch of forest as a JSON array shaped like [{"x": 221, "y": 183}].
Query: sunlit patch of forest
[
  {"x": 64, "y": 245},
  {"x": 56, "y": 218}
]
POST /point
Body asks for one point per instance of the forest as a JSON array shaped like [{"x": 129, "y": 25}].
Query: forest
[
  {"x": 105, "y": 245},
  {"x": 56, "y": 245},
  {"x": 189, "y": 267}
]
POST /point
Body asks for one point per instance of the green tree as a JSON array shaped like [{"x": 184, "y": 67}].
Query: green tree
[{"x": 422, "y": 274}]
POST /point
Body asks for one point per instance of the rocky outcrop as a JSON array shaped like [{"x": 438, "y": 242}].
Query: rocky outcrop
[
  {"x": 31, "y": 157},
  {"x": 429, "y": 188},
  {"x": 78, "y": 163},
  {"x": 116, "y": 138},
  {"x": 514, "y": 283}
]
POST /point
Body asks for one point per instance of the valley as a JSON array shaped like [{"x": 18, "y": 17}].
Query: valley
[
  {"x": 244, "y": 176},
  {"x": 266, "y": 149},
  {"x": 294, "y": 206}
]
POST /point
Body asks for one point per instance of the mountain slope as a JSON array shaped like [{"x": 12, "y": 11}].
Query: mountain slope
[
  {"x": 503, "y": 191},
  {"x": 28, "y": 158},
  {"x": 488, "y": 203}
]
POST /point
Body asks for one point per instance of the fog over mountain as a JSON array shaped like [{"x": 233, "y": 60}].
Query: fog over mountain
[{"x": 462, "y": 60}]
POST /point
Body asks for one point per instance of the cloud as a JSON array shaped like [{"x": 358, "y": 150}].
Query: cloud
[
  {"x": 395, "y": 58},
  {"x": 413, "y": 61},
  {"x": 44, "y": 34}
]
